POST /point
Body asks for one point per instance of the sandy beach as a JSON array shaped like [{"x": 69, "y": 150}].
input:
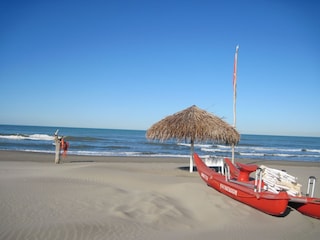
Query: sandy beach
[{"x": 89, "y": 197}]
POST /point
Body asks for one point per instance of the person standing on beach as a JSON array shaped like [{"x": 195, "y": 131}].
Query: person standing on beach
[{"x": 64, "y": 146}]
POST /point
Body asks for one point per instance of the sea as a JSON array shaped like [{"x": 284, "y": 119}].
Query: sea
[{"x": 119, "y": 142}]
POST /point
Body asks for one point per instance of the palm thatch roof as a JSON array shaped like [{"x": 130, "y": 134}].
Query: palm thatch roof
[{"x": 195, "y": 125}]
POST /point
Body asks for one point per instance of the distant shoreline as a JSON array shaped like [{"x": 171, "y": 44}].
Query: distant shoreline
[
  {"x": 22, "y": 156},
  {"x": 133, "y": 143}
]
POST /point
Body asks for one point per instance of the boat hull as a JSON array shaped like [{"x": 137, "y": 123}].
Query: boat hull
[
  {"x": 306, "y": 205},
  {"x": 270, "y": 203}
]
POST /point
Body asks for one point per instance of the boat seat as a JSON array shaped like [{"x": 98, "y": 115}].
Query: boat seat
[
  {"x": 245, "y": 171},
  {"x": 216, "y": 163}
]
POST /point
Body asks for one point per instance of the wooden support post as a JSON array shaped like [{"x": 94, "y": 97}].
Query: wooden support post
[
  {"x": 191, "y": 156},
  {"x": 57, "y": 143}
]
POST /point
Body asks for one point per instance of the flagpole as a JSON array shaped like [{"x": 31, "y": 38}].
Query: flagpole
[{"x": 235, "y": 93}]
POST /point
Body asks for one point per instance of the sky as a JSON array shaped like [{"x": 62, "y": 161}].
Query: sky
[{"x": 128, "y": 64}]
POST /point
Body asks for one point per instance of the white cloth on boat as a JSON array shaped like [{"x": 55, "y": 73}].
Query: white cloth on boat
[{"x": 278, "y": 180}]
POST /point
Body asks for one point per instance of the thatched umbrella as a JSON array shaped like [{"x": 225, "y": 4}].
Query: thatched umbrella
[{"x": 193, "y": 125}]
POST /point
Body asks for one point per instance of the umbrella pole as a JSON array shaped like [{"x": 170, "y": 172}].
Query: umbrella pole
[
  {"x": 191, "y": 156},
  {"x": 232, "y": 153}
]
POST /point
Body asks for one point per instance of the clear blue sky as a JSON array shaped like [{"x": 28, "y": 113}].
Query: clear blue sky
[{"x": 128, "y": 64}]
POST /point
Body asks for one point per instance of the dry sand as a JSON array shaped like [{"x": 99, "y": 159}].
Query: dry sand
[{"x": 132, "y": 198}]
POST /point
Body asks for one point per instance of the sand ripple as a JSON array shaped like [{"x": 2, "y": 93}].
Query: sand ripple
[
  {"x": 153, "y": 208},
  {"x": 72, "y": 208},
  {"x": 114, "y": 201}
]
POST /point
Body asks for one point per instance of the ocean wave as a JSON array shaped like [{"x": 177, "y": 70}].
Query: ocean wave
[
  {"x": 35, "y": 137},
  {"x": 93, "y": 153},
  {"x": 38, "y": 151},
  {"x": 313, "y": 150},
  {"x": 223, "y": 146},
  {"x": 256, "y": 148},
  {"x": 274, "y": 149},
  {"x": 123, "y": 154},
  {"x": 215, "y": 150},
  {"x": 83, "y": 138},
  {"x": 197, "y": 145},
  {"x": 283, "y": 155},
  {"x": 251, "y": 154},
  {"x": 275, "y": 156}
]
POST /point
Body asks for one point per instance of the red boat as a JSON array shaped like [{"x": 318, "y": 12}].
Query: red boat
[
  {"x": 309, "y": 206},
  {"x": 244, "y": 189},
  {"x": 306, "y": 205}
]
